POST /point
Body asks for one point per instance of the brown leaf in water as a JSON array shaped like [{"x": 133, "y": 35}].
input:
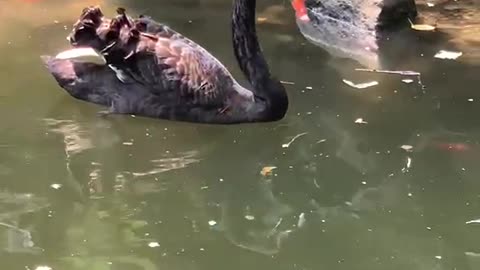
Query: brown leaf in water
[
  {"x": 267, "y": 170},
  {"x": 421, "y": 27},
  {"x": 261, "y": 19}
]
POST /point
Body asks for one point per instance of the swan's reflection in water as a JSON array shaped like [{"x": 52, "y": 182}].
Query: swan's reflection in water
[
  {"x": 251, "y": 212},
  {"x": 94, "y": 163}
]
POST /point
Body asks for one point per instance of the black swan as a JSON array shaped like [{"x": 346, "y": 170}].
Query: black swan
[
  {"x": 352, "y": 28},
  {"x": 153, "y": 71}
]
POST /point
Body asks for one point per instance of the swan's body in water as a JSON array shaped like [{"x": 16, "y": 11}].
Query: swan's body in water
[
  {"x": 351, "y": 28},
  {"x": 156, "y": 72}
]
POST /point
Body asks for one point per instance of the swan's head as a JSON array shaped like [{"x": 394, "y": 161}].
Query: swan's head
[{"x": 276, "y": 98}]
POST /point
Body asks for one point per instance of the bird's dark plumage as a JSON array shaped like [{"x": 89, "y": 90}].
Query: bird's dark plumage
[{"x": 155, "y": 71}]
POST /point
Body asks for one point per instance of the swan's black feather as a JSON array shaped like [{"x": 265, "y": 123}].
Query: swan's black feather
[{"x": 157, "y": 72}]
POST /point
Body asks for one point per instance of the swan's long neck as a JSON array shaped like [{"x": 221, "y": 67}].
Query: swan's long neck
[
  {"x": 251, "y": 60},
  {"x": 246, "y": 47}
]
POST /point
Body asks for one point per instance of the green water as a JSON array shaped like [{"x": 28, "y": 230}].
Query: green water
[{"x": 79, "y": 191}]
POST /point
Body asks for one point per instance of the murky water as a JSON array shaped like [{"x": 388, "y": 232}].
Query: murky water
[{"x": 79, "y": 191}]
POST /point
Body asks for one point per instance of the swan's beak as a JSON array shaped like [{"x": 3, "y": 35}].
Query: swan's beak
[{"x": 300, "y": 10}]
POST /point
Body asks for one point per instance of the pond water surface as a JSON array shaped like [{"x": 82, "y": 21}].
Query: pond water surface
[{"x": 80, "y": 191}]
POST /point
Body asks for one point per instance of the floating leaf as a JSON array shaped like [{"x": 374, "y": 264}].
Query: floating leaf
[
  {"x": 262, "y": 19},
  {"x": 473, "y": 221},
  {"x": 398, "y": 72},
  {"x": 301, "y": 220},
  {"x": 56, "y": 186},
  {"x": 407, "y": 147},
  {"x": 249, "y": 217},
  {"x": 43, "y": 267},
  {"x": 360, "y": 121},
  {"x": 443, "y": 54},
  {"x": 360, "y": 85},
  {"x": 286, "y": 145},
  {"x": 153, "y": 244},
  {"x": 212, "y": 222},
  {"x": 267, "y": 171},
  {"x": 421, "y": 27}
]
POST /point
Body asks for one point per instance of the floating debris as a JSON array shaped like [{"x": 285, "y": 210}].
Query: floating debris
[
  {"x": 43, "y": 267},
  {"x": 430, "y": 4},
  {"x": 474, "y": 221},
  {"x": 397, "y": 72},
  {"x": 407, "y": 147},
  {"x": 301, "y": 220},
  {"x": 360, "y": 121},
  {"x": 127, "y": 143},
  {"x": 287, "y": 82},
  {"x": 286, "y": 145},
  {"x": 473, "y": 254},
  {"x": 212, "y": 223},
  {"x": 407, "y": 81},
  {"x": 262, "y": 19},
  {"x": 421, "y": 27},
  {"x": 153, "y": 244},
  {"x": 56, "y": 186},
  {"x": 360, "y": 85},
  {"x": 308, "y": 87},
  {"x": 450, "y": 55},
  {"x": 408, "y": 165},
  {"x": 267, "y": 170},
  {"x": 249, "y": 217}
]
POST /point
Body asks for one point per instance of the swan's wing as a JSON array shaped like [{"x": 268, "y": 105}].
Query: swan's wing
[
  {"x": 148, "y": 25},
  {"x": 173, "y": 67}
]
